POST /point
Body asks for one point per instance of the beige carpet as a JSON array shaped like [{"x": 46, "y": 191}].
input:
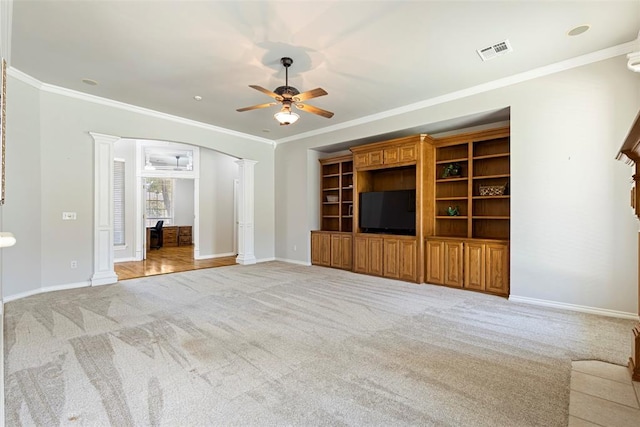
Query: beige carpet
[{"x": 279, "y": 344}]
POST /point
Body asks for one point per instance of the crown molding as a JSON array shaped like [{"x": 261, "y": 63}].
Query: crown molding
[
  {"x": 568, "y": 64},
  {"x": 70, "y": 93}
]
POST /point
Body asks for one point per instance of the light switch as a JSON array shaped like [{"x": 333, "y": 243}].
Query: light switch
[{"x": 66, "y": 216}]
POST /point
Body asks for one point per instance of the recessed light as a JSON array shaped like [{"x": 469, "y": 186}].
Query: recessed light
[
  {"x": 89, "y": 82},
  {"x": 578, "y": 30},
  {"x": 197, "y": 98}
]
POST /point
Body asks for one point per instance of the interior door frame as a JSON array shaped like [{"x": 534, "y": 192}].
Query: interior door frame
[{"x": 142, "y": 173}]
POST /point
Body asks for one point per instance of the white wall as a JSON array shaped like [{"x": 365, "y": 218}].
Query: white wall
[
  {"x": 21, "y": 264},
  {"x": 183, "y": 202},
  {"x": 217, "y": 174},
  {"x": 573, "y": 235},
  {"x": 66, "y": 170}
]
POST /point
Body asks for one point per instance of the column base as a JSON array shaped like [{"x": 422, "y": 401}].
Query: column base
[
  {"x": 106, "y": 278},
  {"x": 246, "y": 259}
]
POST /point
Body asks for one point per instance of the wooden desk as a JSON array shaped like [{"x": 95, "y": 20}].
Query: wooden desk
[
  {"x": 184, "y": 235},
  {"x": 172, "y": 235}
]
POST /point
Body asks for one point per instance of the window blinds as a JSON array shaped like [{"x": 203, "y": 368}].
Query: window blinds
[{"x": 118, "y": 203}]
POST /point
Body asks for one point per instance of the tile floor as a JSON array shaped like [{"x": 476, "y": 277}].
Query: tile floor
[{"x": 603, "y": 394}]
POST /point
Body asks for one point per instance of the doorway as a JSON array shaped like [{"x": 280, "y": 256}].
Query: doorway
[
  {"x": 176, "y": 183},
  {"x": 104, "y": 252}
]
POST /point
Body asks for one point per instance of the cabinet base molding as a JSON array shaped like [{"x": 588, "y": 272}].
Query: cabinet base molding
[
  {"x": 574, "y": 307},
  {"x": 634, "y": 368}
]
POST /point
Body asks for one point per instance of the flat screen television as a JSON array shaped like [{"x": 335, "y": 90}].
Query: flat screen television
[{"x": 392, "y": 212}]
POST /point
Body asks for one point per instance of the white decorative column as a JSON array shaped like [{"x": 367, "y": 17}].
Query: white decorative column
[
  {"x": 245, "y": 212},
  {"x": 103, "y": 272}
]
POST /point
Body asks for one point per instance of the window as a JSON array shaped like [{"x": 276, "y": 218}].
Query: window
[
  {"x": 159, "y": 200},
  {"x": 118, "y": 202}
]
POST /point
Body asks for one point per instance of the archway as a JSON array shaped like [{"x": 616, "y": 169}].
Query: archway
[{"x": 103, "y": 210}]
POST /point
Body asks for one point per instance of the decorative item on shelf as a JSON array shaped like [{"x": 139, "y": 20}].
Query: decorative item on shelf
[
  {"x": 451, "y": 211},
  {"x": 350, "y": 210},
  {"x": 452, "y": 169},
  {"x": 493, "y": 190},
  {"x": 332, "y": 198}
]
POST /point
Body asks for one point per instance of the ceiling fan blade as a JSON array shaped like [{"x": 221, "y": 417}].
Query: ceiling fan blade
[
  {"x": 314, "y": 93},
  {"x": 255, "y": 107},
  {"x": 267, "y": 92},
  {"x": 315, "y": 110}
]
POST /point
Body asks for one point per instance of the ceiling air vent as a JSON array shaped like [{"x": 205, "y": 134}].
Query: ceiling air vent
[{"x": 497, "y": 49}]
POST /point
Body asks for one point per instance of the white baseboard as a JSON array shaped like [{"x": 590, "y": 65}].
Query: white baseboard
[
  {"x": 47, "y": 289},
  {"x": 199, "y": 257},
  {"x": 117, "y": 260},
  {"x": 294, "y": 261},
  {"x": 265, "y": 260},
  {"x": 574, "y": 307}
]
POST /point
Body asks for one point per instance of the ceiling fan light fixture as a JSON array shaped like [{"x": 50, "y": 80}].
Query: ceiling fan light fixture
[{"x": 286, "y": 117}]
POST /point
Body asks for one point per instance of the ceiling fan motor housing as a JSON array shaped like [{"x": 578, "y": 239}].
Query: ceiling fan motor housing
[{"x": 287, "y": 90}]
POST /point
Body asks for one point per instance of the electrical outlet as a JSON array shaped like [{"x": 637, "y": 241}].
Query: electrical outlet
[
  {"x": 295, "y": 248},
  {"x": 68, "y": 216},
  {"x": 74, "y": 264}
]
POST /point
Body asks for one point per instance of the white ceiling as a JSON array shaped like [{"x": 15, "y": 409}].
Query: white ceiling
[{"x": 370, "y": 56}]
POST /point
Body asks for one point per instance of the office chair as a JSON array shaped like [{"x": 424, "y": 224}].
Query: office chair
[{"x": 156, "y": 233}]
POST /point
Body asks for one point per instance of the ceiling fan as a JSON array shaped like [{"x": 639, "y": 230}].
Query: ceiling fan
[{"x": 287, "y": 96}]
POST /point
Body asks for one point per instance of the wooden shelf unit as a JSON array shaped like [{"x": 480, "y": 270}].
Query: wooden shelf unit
[
  {"x": 332, "y": 245},
  {"x": 630, "y": 153},
  {"x": 471, "y": 250},
  {"x": 484, "y": 158},
  {"x": 336, "y": 193},
  {"x": 398, "y": 164}
]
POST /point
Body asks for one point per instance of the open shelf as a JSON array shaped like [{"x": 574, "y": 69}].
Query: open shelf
[
  {"x": 502, "y": 175},
  {"x": 337, "y": 182},
  {"x": 484, "y": 160},
  {"x": 462, "y": 178},
  {"x": 460, "y": 160}
]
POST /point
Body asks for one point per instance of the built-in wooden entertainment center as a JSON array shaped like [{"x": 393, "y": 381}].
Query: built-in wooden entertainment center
[{"x": 462, "y": 210}]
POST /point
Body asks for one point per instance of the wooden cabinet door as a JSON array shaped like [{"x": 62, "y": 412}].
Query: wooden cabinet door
[
  {"x": 336, "y": 251},
  {"x": 321, "y": 249},
  {"x": 474, "y": 266},
  {"x": 325, "y": 249},
  {"x": 435, "y": 262},
  {"x": 497, "y": 268},
  {"x": 315, "y": 248},
  {"x": 375, "y": 251},
  {"x": 346, "y": 243},
  {"x": 453, "y": 264},
  {"x": 391, "y": 252},
  {"x": 360, "y": 254},
  {"x": 408, "y": 265}
]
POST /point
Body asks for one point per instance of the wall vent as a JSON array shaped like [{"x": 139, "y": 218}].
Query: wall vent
[{"x": 497, "y": 49}]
